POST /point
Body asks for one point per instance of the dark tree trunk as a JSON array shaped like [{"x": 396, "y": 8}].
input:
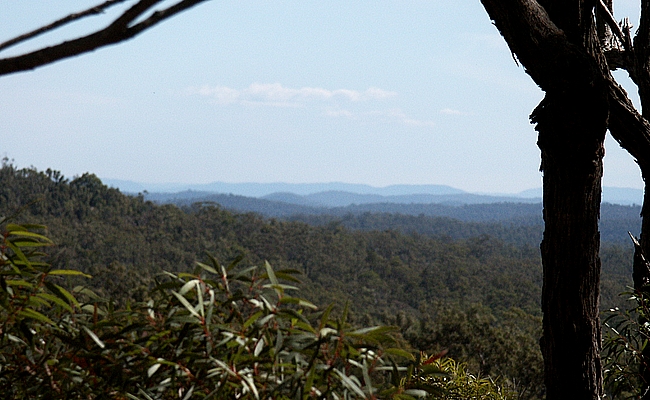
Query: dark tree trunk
[
  {"x": 571, "y": 134},
  {"x": 556, "y": 41}
]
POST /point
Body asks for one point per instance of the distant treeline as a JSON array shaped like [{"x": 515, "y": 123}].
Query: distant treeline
[
  {"x": 382, "y": 261},
  {"x": 517, "y": 223},
  {"x": 472, "y": 287}
]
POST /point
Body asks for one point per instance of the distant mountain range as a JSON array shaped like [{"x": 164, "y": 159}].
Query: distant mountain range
[
  {"x": 263, "y": 189},
  {"x": 402, "y": 207},
  {"x": 337, "y": 194},
  {"x": 343, "y": 199}
]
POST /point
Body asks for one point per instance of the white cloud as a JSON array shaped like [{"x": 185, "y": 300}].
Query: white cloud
[
  {"x": 339, "y": 113},
  {"x": 377, "y": 93},
  {"x": 222, "y": 94},
  {"x": 451, "y": 111},
  {"x": 331, "y": 101},
  {"x": 391, "y": 115},
  {"x": 275, "y": 94},
  {"x": 417, "y": 122}
]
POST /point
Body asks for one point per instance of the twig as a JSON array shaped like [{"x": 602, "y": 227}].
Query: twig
[
  {"x": 609, "y": 18},
  {"x": 58, "y": 23},
  {"x": 116, "y": 32}
]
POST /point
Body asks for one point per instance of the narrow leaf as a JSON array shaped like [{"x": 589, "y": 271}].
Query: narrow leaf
[
  {"x": 270, "y": 273},
  {"x": 400, "y": 353},
  {"x": 68, "y": 272},
  {"x": 152, "y": 370},
  {"x": 55, "y": 299},
  {"x": 350, "y": 384},
  {"x": 30, "y": 234},
  {"x": 252, "y": 319},
  {"x": 295, "y": 300},
  {"x": 61, "y": 293},
  {"x": 258, "y": 347},
  {"x": 33, "y": 314},
  {"x": 207, "y": 268},
  {"x": 94, "y": 337},
  {"x": 187, "y": 304}
]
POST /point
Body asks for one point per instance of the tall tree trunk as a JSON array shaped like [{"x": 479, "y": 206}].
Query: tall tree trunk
[
  {"x": 556, "y": 42},
  {"x": 571, "y": 134}
]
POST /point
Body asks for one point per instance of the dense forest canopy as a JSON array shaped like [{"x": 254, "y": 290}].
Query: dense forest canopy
[
  {"x": 567, "y": 48},
  {"x": 476, "y": 294}
]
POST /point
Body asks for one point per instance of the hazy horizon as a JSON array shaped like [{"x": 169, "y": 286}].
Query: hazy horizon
[{"x": 386, "y": 93}]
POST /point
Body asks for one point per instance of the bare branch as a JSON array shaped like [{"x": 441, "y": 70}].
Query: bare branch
[
  {"x": 613, "y": 25},
  {"x": 98, "y": 9},
  {"x": 133, "y": 13},
  {"x": 545, "y": 50},
  {"x": 642, "y": 38},
  {"x": 116, "y": 32},
  {"x": 161, "y": 15},
  {"x": 629, "y": 128}
]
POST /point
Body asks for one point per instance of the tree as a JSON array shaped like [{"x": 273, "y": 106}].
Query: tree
[
  {"x": 565, "y": 47},
  {"x": 568, "y": 48},
  {"x": 218, "y": 332},
  {"x": 139, "y": 17}
]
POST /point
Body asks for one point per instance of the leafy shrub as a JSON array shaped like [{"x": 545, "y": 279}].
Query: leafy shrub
[
  {"x": 626, "y": 335},
  {"x": 455, "y": 382},
  {"x": 218, "y": 332}
]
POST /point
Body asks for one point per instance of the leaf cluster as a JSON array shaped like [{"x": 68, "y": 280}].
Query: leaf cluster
[
  {"x": 217, "y": 332},
  {"x": 625, "y": 346}
]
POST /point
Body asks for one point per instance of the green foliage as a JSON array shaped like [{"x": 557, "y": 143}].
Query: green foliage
[
  {"x": 445, "y": 379},
  {"x": 217, "y": 332},
  {"x": 125, "y": 243},
  {"x": 97, "y": 229},
  {"x": 455, "y": 382},
  {"x": 626, "y": 335},
  {"x": 503, "y": 344}
]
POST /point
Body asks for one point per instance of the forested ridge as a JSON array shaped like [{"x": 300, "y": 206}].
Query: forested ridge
[
  {"x": 518, "y": 223},
  {"x": 461, "y": 286}
]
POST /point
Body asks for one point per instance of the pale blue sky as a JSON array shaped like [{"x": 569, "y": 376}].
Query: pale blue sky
[{"x": 374, "y": 92}]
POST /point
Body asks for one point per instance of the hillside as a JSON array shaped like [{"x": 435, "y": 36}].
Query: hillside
[
  {"x": 470, "y": 287},
  {"x": 105, "y": 233},
  {"x": 517, "y": 223},
  {"x": 342, "y": 194},
  {"x": 401, "y": 256}
]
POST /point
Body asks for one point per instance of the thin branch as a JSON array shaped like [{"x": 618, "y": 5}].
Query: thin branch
[
  {"x": 98, "y": 9},
  {"x": 133, "y": 13},
  {"x": 613, "y": 25},
  {"x": 116, "y": 32},
  {"x": 161, "y": 15},
  {"x": 642, "y": 38},
  {"x": 628, "y": 127}
]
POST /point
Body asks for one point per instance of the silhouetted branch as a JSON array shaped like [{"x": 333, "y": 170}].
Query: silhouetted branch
[
  {"x": 59, "y": 23},
  {"x": 604, "y": 11},
  {"x": 118, "y": 31},
  {"x": 628, "y": 127}
]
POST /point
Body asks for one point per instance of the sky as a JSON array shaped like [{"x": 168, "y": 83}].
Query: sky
[{"x": 372, "y": 92}]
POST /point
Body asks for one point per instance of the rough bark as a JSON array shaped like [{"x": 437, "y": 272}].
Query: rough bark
[
  {"x": 558, "y": 46},
  {"x": 571, "y": 140}
]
